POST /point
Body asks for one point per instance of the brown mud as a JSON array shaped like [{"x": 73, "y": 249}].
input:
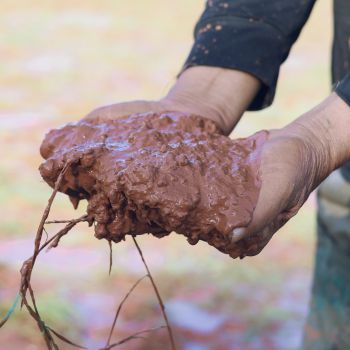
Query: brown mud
[{"x": 157, "y": 173}]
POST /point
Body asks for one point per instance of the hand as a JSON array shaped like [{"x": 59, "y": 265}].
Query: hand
[
  {"x": 289, "y": 175},
  {"x": 219, "y": 94},
  {"x": 294, "y": 162}
]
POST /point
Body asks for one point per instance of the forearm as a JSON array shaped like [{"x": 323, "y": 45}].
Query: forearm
[
  {"x": 253, "y": 36},
  {"x": 327, "y": 128},
  {"x": 216, "y": 93}
]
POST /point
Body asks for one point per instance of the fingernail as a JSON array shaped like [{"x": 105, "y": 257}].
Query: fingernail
[{"x": 238, "y": 233}]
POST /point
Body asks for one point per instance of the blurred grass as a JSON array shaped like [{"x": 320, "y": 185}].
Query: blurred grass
[{"x": 59, "y": 61}]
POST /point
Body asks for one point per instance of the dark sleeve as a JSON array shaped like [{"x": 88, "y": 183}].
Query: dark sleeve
[
  {"x": 343, "y": 89},
  {"x": 341, "y": 49},
  {"x": 254, "y": 36},
  {"x": 341, "y": 35}
]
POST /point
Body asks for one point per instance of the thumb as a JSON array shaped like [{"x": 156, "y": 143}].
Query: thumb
[{"x": 271, "y": 202}]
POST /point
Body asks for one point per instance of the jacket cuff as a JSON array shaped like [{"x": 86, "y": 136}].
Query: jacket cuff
[
  {"x": 243, "y": 44},
  {"x": 343, "y": 89}
]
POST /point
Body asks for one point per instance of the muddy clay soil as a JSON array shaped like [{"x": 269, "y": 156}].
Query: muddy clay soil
[{"x": 158, "y": 173}]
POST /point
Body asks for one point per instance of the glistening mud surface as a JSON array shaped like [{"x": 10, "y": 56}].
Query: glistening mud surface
[{"x": 158, "y": 173}]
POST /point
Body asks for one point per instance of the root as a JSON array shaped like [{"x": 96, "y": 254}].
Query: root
[
  {"x": 44, "y": 329},
  {"x": 110, "y": 257},
  {"x": 27, "y": 268},
  {"x": 39, "y": 233},
  {"x": 11, "y": 310},
  {"x": 119, "y": 309},
  {"x": 160, "y": 301},
  {"x": 28, "y": 265},
  {"x": 136, "y": 335},
  {"x": 53, "y": 243}
]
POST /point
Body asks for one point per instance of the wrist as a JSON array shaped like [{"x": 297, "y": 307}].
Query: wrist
[
  {"x": 326, "y": 132},
  {"x": 219, "y": 94}
]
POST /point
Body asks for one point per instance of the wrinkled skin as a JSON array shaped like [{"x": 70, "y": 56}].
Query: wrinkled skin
[
  {"x": 290, "y": 170},
  {"x": 158, "y": 173},
  {"x": 289, "y": 173}
]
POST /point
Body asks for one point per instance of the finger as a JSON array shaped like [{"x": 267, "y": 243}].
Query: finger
[
  {"x": 254, "y": 244},
  {"x": 270, "y": 204},
  {"x": 120, "y": 109}
]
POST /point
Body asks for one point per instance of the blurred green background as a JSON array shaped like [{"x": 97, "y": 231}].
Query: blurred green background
[{"x": 61, "y": 59}]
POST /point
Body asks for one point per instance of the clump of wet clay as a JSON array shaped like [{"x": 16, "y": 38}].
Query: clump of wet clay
[{"x": 158, "y": 173}]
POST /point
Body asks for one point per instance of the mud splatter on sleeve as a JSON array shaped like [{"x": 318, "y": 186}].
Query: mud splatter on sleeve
[
  {"x": 341, "y": 54},
  {"x": 254, "y": 36},
  {"x": 343, "y": 89},
  {"x": 341, "y": 40}
]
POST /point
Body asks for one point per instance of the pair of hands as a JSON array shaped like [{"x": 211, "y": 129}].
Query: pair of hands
[
  {"x": 295, "y": 159},
  {"x": 288, "y": 174}
]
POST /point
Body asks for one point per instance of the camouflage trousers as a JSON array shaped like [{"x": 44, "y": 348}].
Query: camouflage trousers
[{"x": 328, "y": 323}]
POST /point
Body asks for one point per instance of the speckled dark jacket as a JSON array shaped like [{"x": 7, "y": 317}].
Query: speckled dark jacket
[{"x": 256, "y": 36}]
